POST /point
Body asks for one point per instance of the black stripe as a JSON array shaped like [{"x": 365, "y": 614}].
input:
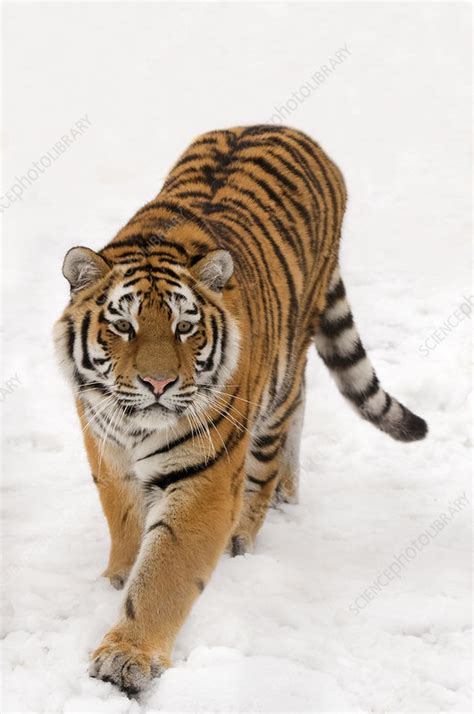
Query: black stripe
[
  {"x": 340, "y": 362},
  {"x": 284, "y": 264},
  {"x": 131, "y": 271},
  {"x": 278, "y": 200},
  {"x": 359, "y": 398},
  {"x": 70, "y": 338},
  {"x": 112, "y": 309},
  {"x": 131, "y": 257},
  {"x": 211, "y": 140},
  {"x": 334, "y": 328},
  {"x": 144, "y": 244},
  {"x": 187, "y": 158},
  {"x": 209, "y": 363},
  {"x": 224, "y": 339},
  {"x": 289, "y": 185},
  {"x": 200, "y": 171},
  {"x": 127, "y": 258},
  {"x": 265, "y": 458},
  {"x": 282, "y": 201},
  {"x": 268, "y": 168},
  {"x": 86, "y": 362},
  {"x": 134, "y": 281},
  {"x": 266, "y": 440},
  {"x": 338, "y": 293},
  {"x": 257, "y": 129},
  {"x": 166, "y": 526},
  {"x": 165, "y": 271},
  {"x": 252, "y": 479},
  {"x": 300, "y": 157},
  {"x": 100, "y": 360},
  {"x": 292, "y": 166},
  {"x": 164, "y": 481},
  {"x": 305, "y": 171},
  {"x": 268, "y": 290},
  {"x": 129, "y": 609},
  {"x": 178, "y": 184},
  {"x": 287, "y": 413},
  {"x": 288, "y": 231},
  {"x": 311, "y": 147},
  {"x": 128, "y": 297},
  {"x": 388, "y": 404},
  {"x": 269, "y": 284},
  {"x": 205, "y": 195},
  {"x": 168, "y": 281}
]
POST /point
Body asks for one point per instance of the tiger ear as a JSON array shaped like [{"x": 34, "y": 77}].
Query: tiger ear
[
  {"x": 82, "y": 267},
  {"x": 214, "y": 270}
]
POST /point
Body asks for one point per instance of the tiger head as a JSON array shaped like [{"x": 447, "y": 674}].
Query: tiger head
[{"x": 152, "y": 337}]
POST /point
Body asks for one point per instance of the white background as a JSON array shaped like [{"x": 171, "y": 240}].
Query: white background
[{"x": 273, "y": 631}]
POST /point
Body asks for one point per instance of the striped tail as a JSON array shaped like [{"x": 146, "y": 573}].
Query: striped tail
[{"x": 339, "y": 345}]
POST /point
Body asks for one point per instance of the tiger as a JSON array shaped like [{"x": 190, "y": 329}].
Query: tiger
[{"x": 185, "y": 342}]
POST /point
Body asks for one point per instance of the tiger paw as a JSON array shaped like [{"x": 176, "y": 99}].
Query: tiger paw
[
  {"x": 119, "y": 661},
  {"x": 240, "y": 544},
  {"x": 117, "y": 576}
]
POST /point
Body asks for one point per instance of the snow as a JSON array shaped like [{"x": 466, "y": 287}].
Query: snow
[{"x": 284, "y": 629}]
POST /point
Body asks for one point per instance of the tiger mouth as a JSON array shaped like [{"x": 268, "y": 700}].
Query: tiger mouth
[{"x": 157, "y": 406}]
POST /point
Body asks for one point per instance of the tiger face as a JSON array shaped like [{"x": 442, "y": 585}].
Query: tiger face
[{"x": 151, "y": 338}]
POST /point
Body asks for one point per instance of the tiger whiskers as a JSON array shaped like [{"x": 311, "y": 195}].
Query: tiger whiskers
[
  {"x": 194, "y": 419},
  {"x": 113, "y": 418},
  {"x": 228, "y": 394},
  {"x": 220, "y": 437},
  {"x": 226, "y": 410},
  {"x": 105, "y": 403},
  {"x": 223, "y": 410},
  {"x": 205, "y": 426}
]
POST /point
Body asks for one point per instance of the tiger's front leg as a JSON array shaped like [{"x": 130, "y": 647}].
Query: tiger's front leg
[
  {"x": 122, "y": 506},
  {"x": 188, "y": 524}
]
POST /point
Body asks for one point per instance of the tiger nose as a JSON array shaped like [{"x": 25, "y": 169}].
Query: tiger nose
[{"x": 158, "y": 384}]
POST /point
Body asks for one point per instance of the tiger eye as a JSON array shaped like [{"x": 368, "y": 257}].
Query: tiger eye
[
  {"x": 122, "y": 325},
  {"x": 184, "y": 327}
]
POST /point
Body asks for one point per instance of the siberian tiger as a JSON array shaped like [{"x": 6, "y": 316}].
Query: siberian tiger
[{"x": 185, "y": 343}]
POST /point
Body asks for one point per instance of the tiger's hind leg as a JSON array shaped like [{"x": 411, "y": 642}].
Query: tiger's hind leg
[
  {"x": 259, "y": 493},
  {"x": 272, "y": 473},
  {"x": 287, "y": 490}
]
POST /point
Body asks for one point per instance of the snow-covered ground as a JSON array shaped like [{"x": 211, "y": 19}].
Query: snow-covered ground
[{"x": 359, "y": 598}]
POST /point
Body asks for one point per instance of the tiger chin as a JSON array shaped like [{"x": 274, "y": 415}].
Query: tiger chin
[{"x": 185, "y": 343}]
